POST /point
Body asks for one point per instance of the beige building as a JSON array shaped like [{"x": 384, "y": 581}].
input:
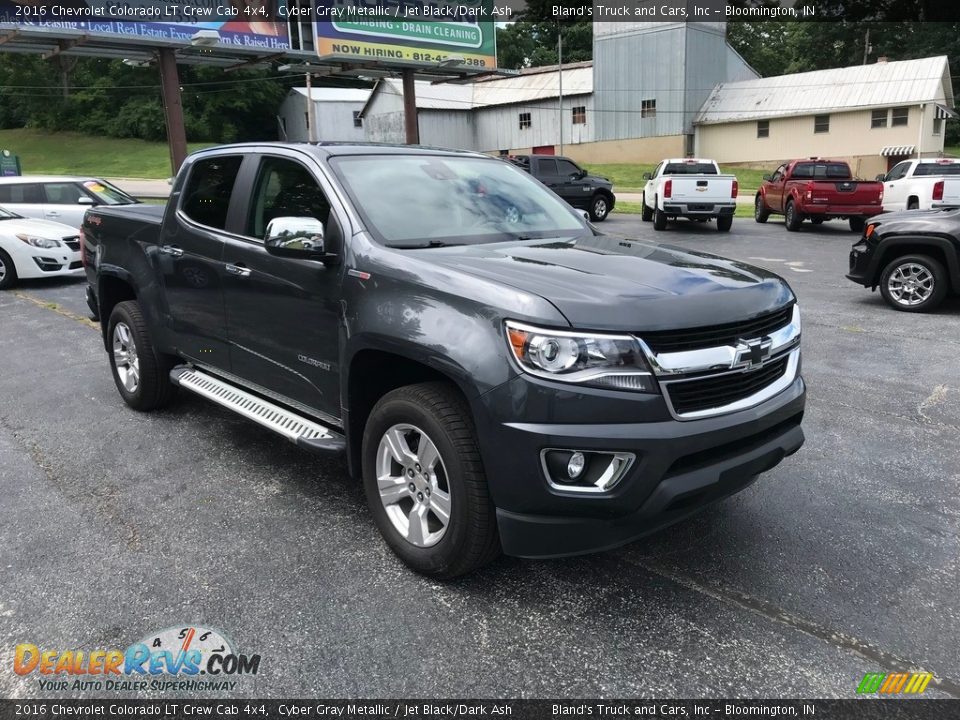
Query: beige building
[{"x": 871, "y": 115}]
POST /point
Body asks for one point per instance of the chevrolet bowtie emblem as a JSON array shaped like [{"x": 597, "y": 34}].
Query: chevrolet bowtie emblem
[{"x": 752, "y": 352}]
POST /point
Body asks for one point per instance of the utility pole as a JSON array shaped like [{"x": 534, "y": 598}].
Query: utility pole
[
  {"x": 311, "y": 111},
  {"x": 866, "y": 47},
  {"x": 172, "y": 107},
  {"x": 410, "y": 123},
  {"x": 560, "y": 77}
]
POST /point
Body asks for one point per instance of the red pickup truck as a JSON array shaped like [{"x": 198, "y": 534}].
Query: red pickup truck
[{"x": 819, "y": 190}]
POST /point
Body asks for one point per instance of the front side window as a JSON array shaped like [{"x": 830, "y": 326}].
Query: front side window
[
  {"x": 431, "y": 199},
  {"x": 900, "y": 116},
  {"x": 821, "y": 123},
  {"x": 284, "y": 188},
  {"x": 899, "y": 171},
  {"x": 206, "y": 197},
  {"x": 525, "y": 121},
  {"x": 648, "y": 108},
  {"x": 763, "y": 128},
  {"x": 565, "y": 168},
  {"x": 878, "y": 118},
  {"x": 63, "y": 193},
  {"x": 29, "y": 194}
]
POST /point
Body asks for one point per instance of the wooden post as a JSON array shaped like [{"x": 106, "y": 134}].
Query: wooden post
[
  {"x": 173, "y": 108},
  {"x": 410, "y": 123}
]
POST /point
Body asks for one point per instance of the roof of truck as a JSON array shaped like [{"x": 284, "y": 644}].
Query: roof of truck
[{"x": 332, "y": 149}]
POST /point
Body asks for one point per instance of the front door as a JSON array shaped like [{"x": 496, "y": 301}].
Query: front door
[
  {"x": 775, "y": 189},
  {"x": 895, "y": 187},
  {"x": 188, "y": 260},
  {"x": 571, "y": 187},
  {"x": 283, "y": 313}
]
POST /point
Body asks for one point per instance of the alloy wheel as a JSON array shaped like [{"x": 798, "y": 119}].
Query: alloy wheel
[
  {"x": 413, "y": 485},
  {"x": 910, "y": 284},
  {"x": 125, "y": 357},
  {"x": 3, "y": 270}
]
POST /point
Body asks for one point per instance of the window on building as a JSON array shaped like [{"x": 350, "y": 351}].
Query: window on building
[
  {"x": 648, "y": 108},
  {"x": 763, "y": 128},
  {"x": 206, "y": 197},
  {"x": 878, "y": 118},
  {"x": 900, "y": 116},
  {"x": 937, "y": 126},
  {"x": 525, "y": 121},
  {"x": 357, "y": 120},
  {"x": 821, "y": 123},
  {"x": 580, "y": 115}
]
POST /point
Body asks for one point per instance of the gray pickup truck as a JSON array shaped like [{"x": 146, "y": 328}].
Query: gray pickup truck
[{"x": 500, "y": 376}]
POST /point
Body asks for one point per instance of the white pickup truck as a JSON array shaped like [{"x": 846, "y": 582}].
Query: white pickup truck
[
  {"x": 689, "y": 188},
  {"x": 922, "y": 185}
]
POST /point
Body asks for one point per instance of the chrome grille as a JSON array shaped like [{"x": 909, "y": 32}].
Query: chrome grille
[
  {"x": 717, "y": 391},
  {"x": 716, "y": 335}
]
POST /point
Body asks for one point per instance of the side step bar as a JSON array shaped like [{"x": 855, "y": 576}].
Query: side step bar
[{"x": 308, "y": 434}]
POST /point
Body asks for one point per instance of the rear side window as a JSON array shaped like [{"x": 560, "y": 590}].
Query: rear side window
[
  {"x": 937, "y": 169},
  {"x": 206, "y": 198},
  {"x": 21, "y": 194},
  {"x": 547, "y": 168}
]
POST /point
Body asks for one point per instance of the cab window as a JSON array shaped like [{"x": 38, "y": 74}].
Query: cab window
[
  {"x": 566, "y": 168},
  {"x": 63, "y": 193},
  {"x": 898, "y": 171},
  {"x": 284, "y": 188},
  {"x": 206, "y": 197}
]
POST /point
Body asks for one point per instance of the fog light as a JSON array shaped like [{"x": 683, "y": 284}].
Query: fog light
[{"x": 576, "y": 465}]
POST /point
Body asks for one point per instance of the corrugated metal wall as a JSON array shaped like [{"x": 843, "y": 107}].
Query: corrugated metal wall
[{"x": 498, "y": 127}]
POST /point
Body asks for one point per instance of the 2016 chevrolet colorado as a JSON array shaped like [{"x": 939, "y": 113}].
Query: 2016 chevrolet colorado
[{"x": 500, "y": 375}]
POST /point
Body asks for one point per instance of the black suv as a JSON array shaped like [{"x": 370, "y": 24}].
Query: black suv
[
  {"x": 571, "y": 182},
  {"x": 498, "y": 379}
]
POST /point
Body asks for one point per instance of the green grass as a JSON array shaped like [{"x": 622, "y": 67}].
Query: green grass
[
  {"x": 952, "y": 150},
  {"x": 633, "y": 208},
  {"x": 628, "y": 177},
  {"x": 69, "y": 153}
]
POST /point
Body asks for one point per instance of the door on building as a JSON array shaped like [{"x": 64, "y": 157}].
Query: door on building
[{"x": 544, "y": 150}]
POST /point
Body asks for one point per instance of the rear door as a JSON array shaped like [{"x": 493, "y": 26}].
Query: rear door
[
  {"x": 546, "y": 172},
  {"x": 23, "y": 198},
  {"x": 283, "y": 314},
  {"x": 189, "y": 258}
]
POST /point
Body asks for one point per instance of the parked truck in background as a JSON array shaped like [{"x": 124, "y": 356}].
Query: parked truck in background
[
  {"x": 496, "y": 381},
  {"x": 571, "y": 182},
  {"x": 689, "y": 188},
  {"x": 817, "y": 190},
  {"x": 925, "y": 184}
]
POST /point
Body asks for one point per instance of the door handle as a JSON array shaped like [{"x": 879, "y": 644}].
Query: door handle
[
  {"x": 238, "y": 270},
  {"x": 171, "y": 250},
  {"x": 53, "y": 213}
]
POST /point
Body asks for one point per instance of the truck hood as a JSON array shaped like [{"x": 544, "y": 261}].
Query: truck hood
[
  {"x": 38, "y": 228},
  {"x": 606, "y": 283}
]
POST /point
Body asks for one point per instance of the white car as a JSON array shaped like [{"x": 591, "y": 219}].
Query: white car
[
  {"x": 36, "y": 248},
  {"x": 58, "y": 197},
  {"x": 925, "y": 184}
]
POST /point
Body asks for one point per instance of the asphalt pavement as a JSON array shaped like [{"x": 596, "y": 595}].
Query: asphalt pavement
[{"x": 845, "y": 559}]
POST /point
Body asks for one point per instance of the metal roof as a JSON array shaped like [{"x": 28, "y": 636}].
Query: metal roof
[
  {"x": 329, "y": 94},
  {"x": 530, "y": 85},
  {"x": 882, "y": 84}
]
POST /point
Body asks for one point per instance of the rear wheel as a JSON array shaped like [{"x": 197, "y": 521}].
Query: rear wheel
[
  {"x": 913, "y": 204},
  {"x": 141, "y": 374},
  {"x": 425, "y": 483},
  {"x": 599, "y": 207},
  {"x": 724, "y": 223},
  {"x": 792, "y": 218},
  {"x": 856, "y": 224},
  {"x": 914, "y": 283},
  {"x": 646, "y": 214},
  {"x": 659, "y": 217},
  {"x": 8, "y": 273},
  {"x": 760, "y": 212}
]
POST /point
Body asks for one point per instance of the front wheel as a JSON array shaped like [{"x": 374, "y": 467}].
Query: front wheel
[
  {"x": 599, "y": 208},
  {"x": 792, "y": 219},
  {"x": 724, "y": 223},
  {"x": 140, "y": 373},
  {"x": 856, "y": 224},
  {"x": 425, "y": 483},
  {"x": 914, "y": 283},
  {"x": 8, "y": 272}
]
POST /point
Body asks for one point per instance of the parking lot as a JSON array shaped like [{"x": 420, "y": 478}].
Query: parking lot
[{"x": 844, "y": 559}]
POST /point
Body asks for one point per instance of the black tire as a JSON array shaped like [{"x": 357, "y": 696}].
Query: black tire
[
  {"x": 724, "y": 223},
  {"x": 935, "y": 271},
  {"x": 470, "y": 539},
  {"x": 913, "y": 204},
  {"x": 792, "y": 219},
  {"x": 856, "y": 224},
  {"x": 8, "y": 271},
  {"x": 599, "y": 207},
  {"x": 659, "y": 217},
  {"x": 153, "y": 388},
  {"x": 760, "y": 212},
  {"x": 646, "y": 214}
]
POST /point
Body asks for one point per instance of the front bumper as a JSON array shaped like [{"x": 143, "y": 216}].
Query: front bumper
[
  {"x": 680, "y": 468},
  {"x": 861, "y": 269}
]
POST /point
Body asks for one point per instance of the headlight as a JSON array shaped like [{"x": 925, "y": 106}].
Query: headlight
[
  {"x": 608, "y": 361},
  {"x": 45, "y": 243}
]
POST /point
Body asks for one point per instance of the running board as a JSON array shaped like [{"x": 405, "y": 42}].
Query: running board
[{"x": 306, "y": 433}]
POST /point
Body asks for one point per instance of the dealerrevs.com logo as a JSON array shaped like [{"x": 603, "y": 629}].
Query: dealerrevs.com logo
[{"x": 178, "y": 658}]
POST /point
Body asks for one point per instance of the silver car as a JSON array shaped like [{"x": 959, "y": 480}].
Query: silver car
[{"x": 62, "y": 199}]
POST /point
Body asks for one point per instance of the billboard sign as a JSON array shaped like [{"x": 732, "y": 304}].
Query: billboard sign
[
  {"x": 240, "y": 23},
  {"x": 405, "y": 34}
]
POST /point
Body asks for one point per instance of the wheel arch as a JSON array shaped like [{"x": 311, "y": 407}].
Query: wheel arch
[
  {"x": 938, "y": 248},
  {"x": 113, "y": 287}
]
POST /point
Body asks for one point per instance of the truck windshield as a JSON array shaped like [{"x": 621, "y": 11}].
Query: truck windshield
[
  {"x": 937, "y": 169},
  {"x": 411, "y": 200},
  {"x": 690, "y": 168}
]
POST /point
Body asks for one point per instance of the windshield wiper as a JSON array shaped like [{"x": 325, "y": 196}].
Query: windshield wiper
[{"x": 430, "y": 244}]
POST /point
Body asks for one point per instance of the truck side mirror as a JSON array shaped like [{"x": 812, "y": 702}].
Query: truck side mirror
[
  {"x": 648, "y": 176},
  {"x": 881, "y": 177},
  {"x": 297, "y": 237},
  {"x": 768, "y": 177}
]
